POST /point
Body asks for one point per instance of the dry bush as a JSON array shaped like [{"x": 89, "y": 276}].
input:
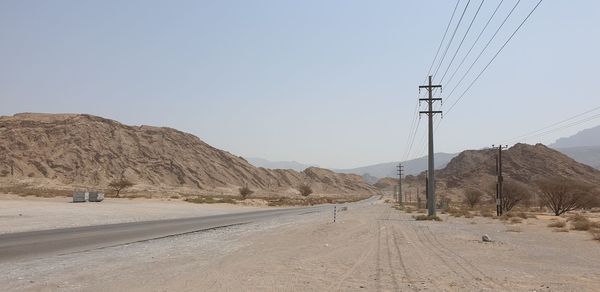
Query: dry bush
[
  {"x": 515, "y": 220},
  {"x": 558, "y": 224},
  {"x": 119, "y": 184},
  {"x": 580, "y": 222},
  {"x": 522, "y": 215},
  {"x": 514, "y": 193},
  {"x": 210, "y": 200},
  {"x": 458, "y": 212},
  {"x": 580, "y": 225},
  {"x": 595, "y": 232},
  {"x": 245, "y": 192},
  {"x": 427, "y": 218},
  {"x": 473, "y": 197},
  {"x": 305, "y": 190},
  {"x": 486, "y": 213},
  {"x": 562, "y": 195},
  {"x": 509, "y": 216}
]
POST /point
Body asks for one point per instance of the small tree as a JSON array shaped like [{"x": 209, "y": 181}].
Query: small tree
[
  {"x": 473, "y": 197},
  {"x": 562, "y": 195},
  {"x": 514, "y": 193},
  {"x": 305, "y": 190},
  {"x": 120, "y": 184},
  {"x": 245, "y": 192}
]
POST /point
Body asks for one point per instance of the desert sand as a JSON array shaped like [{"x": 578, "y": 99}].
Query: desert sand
[{"x": 370, "y": 248}]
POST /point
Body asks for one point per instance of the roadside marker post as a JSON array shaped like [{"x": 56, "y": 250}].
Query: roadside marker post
[{"x": 334, "y": 212}]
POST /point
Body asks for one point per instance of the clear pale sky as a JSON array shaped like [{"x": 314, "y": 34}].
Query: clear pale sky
[{"x": 327, "y": 82}]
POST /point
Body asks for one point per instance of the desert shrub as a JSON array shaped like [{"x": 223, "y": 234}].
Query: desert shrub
[
  {"x": 119, "y": 184},
  {"x": 473, "y": 197},
  {"x": 558, "y": 224},
  {"x": 427, "y": 218},
  {"x": 228, "y": 201},
  {"x": 245, "y": 192},
  {"x": 486, "y": 213},
  {"x": 507, "y": 216},
  {"x": 515, "y": 220},
  {"x": 305, "y": 190},
  {"x": 580, "y": 225},
  {"x": 458, "y": 212},
  {"x": 522, "y": 215},
  {"x": 595, "y": 233},
  {"x": 562, "y": 195},
  {"x": 514, "y": 193},
  {"x": 444, "y": 202},
  {"x": 210, "y": 200},
  {"x": 580, "y": 222}
]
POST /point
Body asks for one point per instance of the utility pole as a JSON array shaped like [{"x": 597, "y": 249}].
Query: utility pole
[
  {"x": 499, "y": 198},
  {"x": 400, "y": 169},
  {"x": 430, "y": 169}
]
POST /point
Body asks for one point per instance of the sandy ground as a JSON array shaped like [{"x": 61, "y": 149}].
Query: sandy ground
[
  {"x": 18, "y": 214},
  {"x": 372, "y": 248}
]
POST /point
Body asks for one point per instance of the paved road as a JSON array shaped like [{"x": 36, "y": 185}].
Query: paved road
[{"x": 68, "y": 240}]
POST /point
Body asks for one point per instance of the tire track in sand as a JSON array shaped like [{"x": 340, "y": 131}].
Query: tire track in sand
[
  {"x": 466, "y": 264},
  {"x": 362, "y": 258}
]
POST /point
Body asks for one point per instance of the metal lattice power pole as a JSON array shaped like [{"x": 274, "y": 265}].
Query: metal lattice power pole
[
  {"x": 430, "y": 169},
  {"x": 499, "y": 198},
  {"x": 400, "y": 169}
]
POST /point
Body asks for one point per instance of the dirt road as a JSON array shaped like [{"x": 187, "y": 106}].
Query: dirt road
[{"x": 369, "y": 248}]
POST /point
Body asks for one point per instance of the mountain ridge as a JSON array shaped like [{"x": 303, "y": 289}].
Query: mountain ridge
[{"x": 66, "y": 151}]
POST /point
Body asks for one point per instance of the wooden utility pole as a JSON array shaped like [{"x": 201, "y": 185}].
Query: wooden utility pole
[
  {"x": 400, "y": 169},
  {"x": 499, "y": 197},
  {"x": 431, "y": 167}
]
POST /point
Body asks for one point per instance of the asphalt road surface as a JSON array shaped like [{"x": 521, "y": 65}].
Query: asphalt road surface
[{"x": 37, "y": 244}]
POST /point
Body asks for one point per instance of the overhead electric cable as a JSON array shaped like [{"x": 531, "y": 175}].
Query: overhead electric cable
[
  {"x": 493, "y": 58},
  {"x": 451, "y": 39},
  {"x": 461, "y": 41}
]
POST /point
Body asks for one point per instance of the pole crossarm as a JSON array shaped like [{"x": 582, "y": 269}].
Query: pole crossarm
[{"x": 431, "y": 165}]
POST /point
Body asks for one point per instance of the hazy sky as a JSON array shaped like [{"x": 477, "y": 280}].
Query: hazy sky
[{"x": 327, "y": 82}]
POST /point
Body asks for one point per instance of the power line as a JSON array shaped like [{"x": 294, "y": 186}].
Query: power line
[
  {"x": 451, "y": 38},
  {"x": 565, "y": 127},
  {"x": 443, "y": 38},
  {"x": 483, "y": 50},
  {"x": 410, "y": 139},
  {"x": 493, "y": 58},
  {"x": 462, "y": 40},
  {"x": 475, "y": 42},
  {"x": 548, "y": 129}
]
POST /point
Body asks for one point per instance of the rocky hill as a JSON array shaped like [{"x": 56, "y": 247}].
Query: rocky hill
[
  {"x": 66, "y": 151},
  {"x": 522, "y": 162}
]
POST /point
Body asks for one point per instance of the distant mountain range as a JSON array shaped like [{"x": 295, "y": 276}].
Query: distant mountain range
[
  {"x": 370, "y": 173},
  {"x": 584, "y": 146},
  {"x": 294, "y": 165},
  {"x": 411, "y": 167}
]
